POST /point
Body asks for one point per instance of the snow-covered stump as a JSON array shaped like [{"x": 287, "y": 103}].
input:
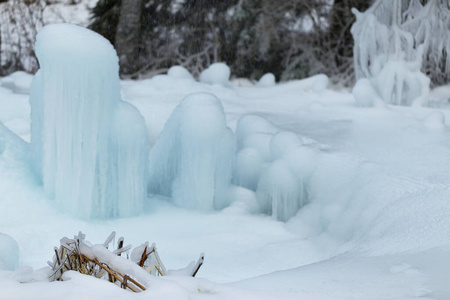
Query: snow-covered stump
[
  {"x": 135, "y": 272},
  {"x": 192, "y": 159},
  {"x": 89, "y": 148}
]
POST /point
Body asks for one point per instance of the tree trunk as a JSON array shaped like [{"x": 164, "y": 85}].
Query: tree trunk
[{"x": 128, "y": 36}]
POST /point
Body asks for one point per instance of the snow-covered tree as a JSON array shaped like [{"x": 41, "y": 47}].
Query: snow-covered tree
[
  {"x": 387, "y": 54},
  {"x": 430, "y": 25}
]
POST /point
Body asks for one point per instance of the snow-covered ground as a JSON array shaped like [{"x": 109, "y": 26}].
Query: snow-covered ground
[{"x": 377, "y": 225}]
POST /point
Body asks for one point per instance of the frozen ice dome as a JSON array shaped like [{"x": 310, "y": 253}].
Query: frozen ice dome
[
  {"x": 9, "y": 252},
  {"x": 217, "y": 73}
]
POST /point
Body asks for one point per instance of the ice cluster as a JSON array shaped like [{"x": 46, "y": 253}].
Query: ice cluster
[
  {"x": 192, "y": 159},
  {"x": 89, "y": 147},
  {"x": 9, "y": 252},
  {"x": 275, "y": 164}
]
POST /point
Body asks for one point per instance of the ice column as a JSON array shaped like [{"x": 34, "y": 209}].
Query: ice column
[{"x": 89, "y": 148}]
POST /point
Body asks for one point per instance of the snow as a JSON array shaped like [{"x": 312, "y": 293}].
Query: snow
[
  {"x": 374, "y": 221},
  {"x": 192, "y": 159},
  {"x": 89, "y": 148}
]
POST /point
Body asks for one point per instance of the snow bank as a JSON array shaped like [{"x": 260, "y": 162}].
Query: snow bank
[
  {"x": 89, "y": 148},
  {"x": 217, "y": 73},
  {"x": 9, "y": 252},
  {"x": 193, "y": 158}
]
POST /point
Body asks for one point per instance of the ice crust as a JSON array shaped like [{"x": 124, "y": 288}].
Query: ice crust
[
  {"x": 9, "y": 252},
  {"x": 89, "y": 148},
  {"x": 193, "y": 158}
]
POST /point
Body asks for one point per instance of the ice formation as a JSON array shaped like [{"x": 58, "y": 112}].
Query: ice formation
[
  {"x": 280, "y": 191},
  {"x": 252, "y": 124},
  {"x": 275, "y": 164},
  {"x": 9, "y": 252},
  {"x": 249, "y": 166},
  {"x": 266, "y": 80},
  {"x": 192, "y": 159},
  {"x": 253, "y": 134},
  {"x": 217, "y": 73},
  {"x": 89, "y": 147},
  {"x": 283, "y": 142}
]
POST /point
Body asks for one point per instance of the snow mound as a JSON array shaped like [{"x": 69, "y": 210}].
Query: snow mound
[
  {"x": 19, "y": 82},
  {"x": 266, "y": 80},
  {"x": 179, "y": 72},
  {"x": 89, "y": 148},
  {"x": 192, "y": 159},
  {"x": 217, "y": 73},
  {"x": 9, "y": 253},
  {"x": 364, "y": 93}
]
